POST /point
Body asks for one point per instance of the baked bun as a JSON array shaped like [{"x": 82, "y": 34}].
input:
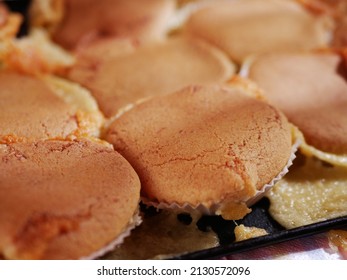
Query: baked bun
[
  {"x": 122, "y": 77},
  {"x": 64, "y": 199},
  {"x": 311, "y": 89},
  {"x": 243, "y": 28},
  {"x": 45, "y": 108},
  {"x": 71, "y": 21},
  {"x": 205, "y": 147}
]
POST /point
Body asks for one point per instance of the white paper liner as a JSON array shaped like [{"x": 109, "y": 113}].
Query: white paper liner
[
  {"x": 260, "y": 193},
  {"x": 187, "y": 207},
  {"x": 135, "y": 221},
  {"x": 204, "y": 210}
]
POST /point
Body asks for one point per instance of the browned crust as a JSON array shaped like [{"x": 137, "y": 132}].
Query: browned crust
[
  {"x": 63, "y": 200},
  {"x": 313, "y": 96},
  {"x": 144, "y": 20},
  {"x": 122, "y": 76},
  {"x": 203, "y": 145},
  {"x": 244, "y": 28},
  {"x": 31, "y": 110}
]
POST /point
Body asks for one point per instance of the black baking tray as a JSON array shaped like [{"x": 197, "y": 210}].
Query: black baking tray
[{"x": 259, "y": 217}]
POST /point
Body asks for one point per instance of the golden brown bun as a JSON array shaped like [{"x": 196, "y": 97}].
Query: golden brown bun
[
  {"x": 119, "y": 79},
  {"x": 30, "y": 109},
  {"x": 203, "y": 145},
  {"x": 63, "y": 200},
  {"x": 310, "y": 88},
  {"x": 246, "y": 27},
  {"x": 44, "y": 108},
  {"x": 78, "y": 19}
]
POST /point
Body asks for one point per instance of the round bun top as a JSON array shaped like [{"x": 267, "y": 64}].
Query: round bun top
[
  {"x": 245, "y": 27},
  {"x": 120, "y": 77},
  {"x": 35, "y": 108},
  {"x": 62, "y": 199},
  {"x": 141, "y": 19},
  {"x": 311, "y": 89},
  {"x": 203, "y": 145}
]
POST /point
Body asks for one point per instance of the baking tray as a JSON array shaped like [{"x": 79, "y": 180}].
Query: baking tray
[{"x": 259, "y": 217}]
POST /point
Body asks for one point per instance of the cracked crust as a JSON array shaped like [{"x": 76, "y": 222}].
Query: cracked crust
[
  {"x": 53, "y": 205},
  {"x": 34, "y": 108},
  {"x": 313, "y": 96},
  {"x": 203, "y": 145}
]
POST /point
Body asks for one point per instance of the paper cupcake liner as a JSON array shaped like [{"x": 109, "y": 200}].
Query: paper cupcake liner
[
  {"x": 260, "y": 193},
  {"x": 136, "y": 221},
  {"x": 215, "y": 206},
  {"x": 185, "y": 207}
]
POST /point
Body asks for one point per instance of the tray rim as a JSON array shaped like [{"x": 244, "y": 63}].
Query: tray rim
[{"x": 266, "y": 240}]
